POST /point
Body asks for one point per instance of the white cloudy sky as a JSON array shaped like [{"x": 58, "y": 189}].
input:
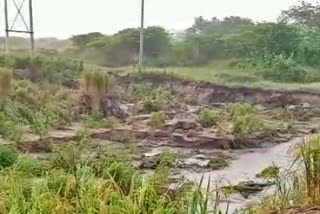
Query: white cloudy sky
[{"x": 62, "y": 18}]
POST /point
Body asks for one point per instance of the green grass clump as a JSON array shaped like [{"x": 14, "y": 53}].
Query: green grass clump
[
  {"x": 7, "y": 157},
  {"x": 220, "y": 161},
  {"x": 29, "y": 165},
  {"x": 157, "y": 120},
  {"x": 244, "y": 119},
  {"x": 308, "y": 154},
  {"x": 98, "y": 121},
  {"x": 208, "y": 118},
  {"x": 271, "y": 172},
  {"x": 144, "y": 92},
  {"x": 150, "y": 106}
]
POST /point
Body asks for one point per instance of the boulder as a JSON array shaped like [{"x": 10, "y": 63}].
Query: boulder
[{"x": 111, "y": 107}]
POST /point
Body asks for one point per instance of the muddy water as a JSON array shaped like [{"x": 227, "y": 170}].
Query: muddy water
[{"x": 245, "y": 168}]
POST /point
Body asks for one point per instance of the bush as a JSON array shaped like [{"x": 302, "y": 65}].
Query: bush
[
  {"x": 244, "y": 120},
  {"x": 157, "y": 120},
  {"x": 7, "y": 157},
  {"x": 239, "y": 109},
  {"x": 29, "y": 165},
  {"x": 283, "y": 68},
  {"x": 150, "y": 106},
  {"x": 208, "y": 118},
  {"x": 245, "y": 125},
  {"x": 271, "y": 172}
]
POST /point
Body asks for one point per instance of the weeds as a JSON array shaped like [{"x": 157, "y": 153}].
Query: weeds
[
  {"x": 271, "y": 172},
  {"x": 244, "y": 119},
  {"x": 157, "y": 120},
  {"x": 220, "y": 161},
  {"x": 150, "y": 106},
  {"x": 308, "y": 153},
  {"x": 7, "y": 157},
  {"x": 208, "y": 118},
  {"x": 97, "y": 120}
]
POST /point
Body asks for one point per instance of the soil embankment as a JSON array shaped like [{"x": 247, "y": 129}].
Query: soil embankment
[{"x": 208, "y": 93}]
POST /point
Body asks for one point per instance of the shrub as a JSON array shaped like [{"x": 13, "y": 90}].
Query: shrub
[
  {"x": 157, "y": 120},
  {"x": 208, "y": 118},
  {"x": 283, "y": 68},
  {"x": 270, "y": 172},
  {"x": 7, "y": 157},
  {"x": 244, "y": 125},
  {"x": 150, "y": 106},
  {"x": 244, "y": 120},
  {"x": 239, "y": 109},
  {"x": 29, "y": 165}
]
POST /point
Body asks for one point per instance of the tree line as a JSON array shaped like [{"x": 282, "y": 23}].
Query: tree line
[{"x": 295, "y": 36}]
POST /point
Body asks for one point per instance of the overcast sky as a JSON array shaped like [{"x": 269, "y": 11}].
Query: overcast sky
[{"x": 63, "y": 18}]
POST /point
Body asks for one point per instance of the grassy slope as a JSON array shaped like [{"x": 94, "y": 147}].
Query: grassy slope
[{"x": 221, "y": 73}]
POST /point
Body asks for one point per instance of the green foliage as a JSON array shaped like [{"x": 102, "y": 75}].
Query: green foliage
[
  {"x": 220, "y": 161},
  {"x": 282, "y": 68},
  {"x": 208, "y": 118},
  {"x": 244, "y": 119},
  {"x": 150, "y": 106},
  {"x": 97, "y": 120},
  {"x": 52, "y": 69},
  {"x": 157, "y": 120},
  {"x": 7, "y": 157},
  {"x": 270, "y": 172},
  {"x": 30, "y": 166},
  {"x": 308, "y": 153},
  {"x": 34, "y": 108},
  {"x": 144, "y": 92}
]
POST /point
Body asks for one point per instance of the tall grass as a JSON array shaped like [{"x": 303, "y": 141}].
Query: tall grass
[
  {"x": 5, "y": 81},
  {"x": 308, "y": 153},
  {"x": 96, "y": 85}
]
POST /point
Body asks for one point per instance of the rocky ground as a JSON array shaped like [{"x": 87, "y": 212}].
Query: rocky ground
[{"x": 199, "y": 149}]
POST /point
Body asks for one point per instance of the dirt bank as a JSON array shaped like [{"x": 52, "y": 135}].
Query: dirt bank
[{"x": 208, "y": 93}]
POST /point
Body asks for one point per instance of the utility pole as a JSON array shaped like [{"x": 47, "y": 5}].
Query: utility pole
[
  {"x": 141, "y": 36},
  {"x": 6, "y": 25},
  {"x": 18, "y": 14},
  {"x": 31, "y": 26}
]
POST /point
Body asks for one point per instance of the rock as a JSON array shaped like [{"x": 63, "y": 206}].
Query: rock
[
  {"x": 202, "y": 140},
  {"x": 111, "y": 107},
  {"x": 181, "y": 139},
  {"x": 200, "y": 157},
  {"x": 193, "y": 162},
  {"x": 306, "y": 106},
  {"x": 291, "y": 107},
  {"x": 184, "y": 124}
]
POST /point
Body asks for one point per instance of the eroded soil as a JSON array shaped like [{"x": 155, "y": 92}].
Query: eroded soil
[{"x": 213, "y": 152}]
